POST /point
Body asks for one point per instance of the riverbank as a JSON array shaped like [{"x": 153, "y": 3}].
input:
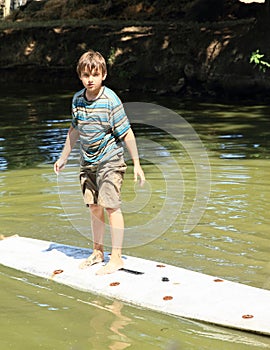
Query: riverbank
[{"x": 183, "y": 57}]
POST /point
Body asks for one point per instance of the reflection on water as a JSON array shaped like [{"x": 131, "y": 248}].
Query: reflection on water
[
  {"x": 231, "y": 240},
  {"x": 235, "y": 131},
  {"x": 31, "y": 127},
  {"x": 119, "y": 341}
]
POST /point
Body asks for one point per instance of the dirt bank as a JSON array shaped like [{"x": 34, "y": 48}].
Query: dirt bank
[{"x": 174, "y": 56}]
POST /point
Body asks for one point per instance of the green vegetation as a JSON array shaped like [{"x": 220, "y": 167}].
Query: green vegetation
[{"x": 256, "y": 59}]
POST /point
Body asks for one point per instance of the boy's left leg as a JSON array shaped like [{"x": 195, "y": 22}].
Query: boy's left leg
[{"x": 116, "y": 221}]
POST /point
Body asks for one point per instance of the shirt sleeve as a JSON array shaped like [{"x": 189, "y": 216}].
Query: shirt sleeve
[
  {"x": 74, "y": 121},
  {"x": 119, "y": 120}
]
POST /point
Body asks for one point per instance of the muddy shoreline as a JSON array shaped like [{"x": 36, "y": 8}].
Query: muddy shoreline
[{"x": 182, "y": 58}]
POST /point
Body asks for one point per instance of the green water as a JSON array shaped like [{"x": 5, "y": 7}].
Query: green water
[{"x": 231, "y": 240}]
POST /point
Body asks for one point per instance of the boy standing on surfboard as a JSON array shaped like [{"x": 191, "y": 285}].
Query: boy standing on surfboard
[{"x": 100, "y": 123}]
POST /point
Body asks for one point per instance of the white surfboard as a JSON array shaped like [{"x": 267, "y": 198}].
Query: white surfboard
[{"x": 150, "y": 284}]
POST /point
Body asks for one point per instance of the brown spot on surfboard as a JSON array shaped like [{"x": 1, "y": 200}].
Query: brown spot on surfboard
[
  {"x": 114, "y": 284},
  {"x": 247, "y": 317},
  {"x": 56, "y": 272}
]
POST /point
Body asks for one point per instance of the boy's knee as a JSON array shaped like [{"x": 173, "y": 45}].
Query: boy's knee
[
  {"x": 112, "y": 211},
  {"x": 96, "y": 209}
]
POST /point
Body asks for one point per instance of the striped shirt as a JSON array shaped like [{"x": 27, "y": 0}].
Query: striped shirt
[{"x": 102, "y": 123}]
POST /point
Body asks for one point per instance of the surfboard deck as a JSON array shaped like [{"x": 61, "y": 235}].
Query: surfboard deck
[{"x": 145, "y": 283}]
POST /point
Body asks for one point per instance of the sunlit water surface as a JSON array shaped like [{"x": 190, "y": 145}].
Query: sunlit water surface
[{"x": 231, "y": 239}]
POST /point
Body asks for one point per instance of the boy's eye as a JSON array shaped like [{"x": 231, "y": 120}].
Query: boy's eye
[{"x": 87, "y": 75}]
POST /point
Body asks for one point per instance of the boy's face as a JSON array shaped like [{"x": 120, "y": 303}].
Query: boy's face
[{"x": 92, "y": 80}]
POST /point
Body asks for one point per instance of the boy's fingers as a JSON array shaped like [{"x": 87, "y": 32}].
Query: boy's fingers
[
  {"x": 58, "y": 166},
  {"x": 142, "y": 180},
  {"x": 55, "y": 168}
]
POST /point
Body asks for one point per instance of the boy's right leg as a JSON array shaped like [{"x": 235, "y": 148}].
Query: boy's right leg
[{"x": 98, "y": 230}]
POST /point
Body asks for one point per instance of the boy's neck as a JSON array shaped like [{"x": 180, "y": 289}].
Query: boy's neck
[{"x": 93, "y": 96}]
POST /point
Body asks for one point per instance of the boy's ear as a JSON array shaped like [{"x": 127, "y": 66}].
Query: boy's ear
[{"x": 104, "y": 76}]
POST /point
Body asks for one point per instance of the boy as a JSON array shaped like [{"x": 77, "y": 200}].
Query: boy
[{"x": 100, "y": 123}]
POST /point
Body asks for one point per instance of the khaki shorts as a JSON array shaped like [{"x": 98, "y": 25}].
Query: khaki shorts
[{"x": 101, "y": 184}]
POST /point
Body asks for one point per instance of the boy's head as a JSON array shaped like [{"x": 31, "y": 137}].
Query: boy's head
[{"x": 92, "y": 61}]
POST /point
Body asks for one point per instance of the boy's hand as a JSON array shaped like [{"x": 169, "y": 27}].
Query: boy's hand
[
  {"x": 59, "y": 165},
  {"x": 139, "y": 172}
]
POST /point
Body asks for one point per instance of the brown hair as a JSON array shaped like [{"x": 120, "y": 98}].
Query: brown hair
[{"x": 91, "y": 60}]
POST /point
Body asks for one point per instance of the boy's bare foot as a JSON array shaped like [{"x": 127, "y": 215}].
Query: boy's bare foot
[
  {"x": 111, "y": 267},
  {"x": 96, "y": 257}
]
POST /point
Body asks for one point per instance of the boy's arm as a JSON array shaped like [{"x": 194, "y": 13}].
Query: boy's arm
[
  {"x": 130, "y": 142},
  {"x": 72, "y": 137}
]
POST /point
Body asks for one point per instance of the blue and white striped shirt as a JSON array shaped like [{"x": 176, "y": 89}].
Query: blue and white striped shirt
[{"x": 102, "y": 123}]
